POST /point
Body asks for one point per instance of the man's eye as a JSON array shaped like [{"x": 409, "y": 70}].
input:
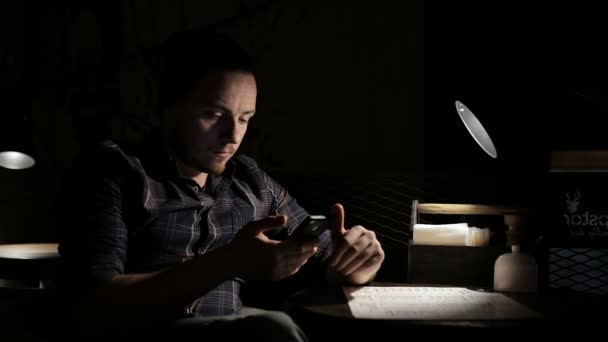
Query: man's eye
[
  {"x": 210, "y": 114},
  {"x": 245, "y": 119}
]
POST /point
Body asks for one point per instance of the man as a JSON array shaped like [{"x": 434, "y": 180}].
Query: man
[{"x": 168, "y": 233}]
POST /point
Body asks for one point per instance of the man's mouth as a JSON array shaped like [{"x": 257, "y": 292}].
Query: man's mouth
[{"x": 223, "y": 153}]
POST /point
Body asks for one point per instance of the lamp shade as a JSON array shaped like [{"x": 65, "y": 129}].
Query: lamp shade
[
  {"x": 478, "y": 132},
  {"x": 16, "y": 160},
  {"x": 16, "y": 150}
]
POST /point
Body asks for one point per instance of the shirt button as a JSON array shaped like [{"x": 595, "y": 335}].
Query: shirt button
[{"x": 195, "y": 188}]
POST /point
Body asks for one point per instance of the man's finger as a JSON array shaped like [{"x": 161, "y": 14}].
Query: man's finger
[
  {"x": 267, "y": 223},
  {"x": 370, "y": 265},
  {"x": 292, "y": 266},
  {"x": 300, "y": 247},
  {"x": 343, "y": 243},
  {"x": 357, "y": 262},
  {"x": 351, "y": 253}
]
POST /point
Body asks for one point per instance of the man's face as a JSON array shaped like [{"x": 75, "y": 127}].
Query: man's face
[{"x": 211, "y": 122}]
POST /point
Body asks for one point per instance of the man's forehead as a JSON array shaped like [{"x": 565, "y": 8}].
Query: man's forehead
[
  {"x": 217, "y": 83},
  {"x": 219, "y": 77}
]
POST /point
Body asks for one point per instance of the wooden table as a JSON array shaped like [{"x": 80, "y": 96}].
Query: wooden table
[
  {"x": 33, "y": 262},
  {"x": 324, "y": 314},
  {"x": 29, "y": 310}
]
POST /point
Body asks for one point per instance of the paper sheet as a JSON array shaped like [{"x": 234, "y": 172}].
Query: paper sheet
[{"x": 433, "y": 303}]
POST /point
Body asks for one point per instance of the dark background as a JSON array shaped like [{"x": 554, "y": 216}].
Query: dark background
[
  {"x": 533, "y": 72},
  {"x": 362, "y": 93}
]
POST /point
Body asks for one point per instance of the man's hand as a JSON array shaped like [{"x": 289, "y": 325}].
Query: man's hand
[
  {"x": 357, "y": 254},
  {"x": 257, "y": 257}
]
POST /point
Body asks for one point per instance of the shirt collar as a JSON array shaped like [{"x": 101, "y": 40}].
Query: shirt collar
[{"x": 217, "y": 184}]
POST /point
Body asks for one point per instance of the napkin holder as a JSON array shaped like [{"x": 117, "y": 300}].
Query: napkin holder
[{"x": 457, "y": 265}]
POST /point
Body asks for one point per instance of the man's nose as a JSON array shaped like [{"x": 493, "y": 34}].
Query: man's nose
[{"x": 230, "y": 133}]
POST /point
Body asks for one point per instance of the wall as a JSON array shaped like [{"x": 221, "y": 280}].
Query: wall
[
  {"x": 533, "y": 73},
  {"x": 341, "y": 86}
]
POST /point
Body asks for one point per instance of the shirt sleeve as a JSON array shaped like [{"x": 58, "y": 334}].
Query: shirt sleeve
[{"x": 94, "y": 241}]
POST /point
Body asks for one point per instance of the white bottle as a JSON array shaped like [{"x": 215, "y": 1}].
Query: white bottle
[{"x": 515, "y": 272}]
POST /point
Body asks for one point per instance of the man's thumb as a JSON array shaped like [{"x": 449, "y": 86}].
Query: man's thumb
[{"x": 337, "y": 215}]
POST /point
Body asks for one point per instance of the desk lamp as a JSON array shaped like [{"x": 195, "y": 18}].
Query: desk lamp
[
  {"x": 15, "y": 145},
  {"x": 513, "y": 271}
]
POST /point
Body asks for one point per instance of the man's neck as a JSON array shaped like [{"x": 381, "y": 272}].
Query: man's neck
[
  {"x": 187, "y": 172},
  {"x": 184, "y": 170}
]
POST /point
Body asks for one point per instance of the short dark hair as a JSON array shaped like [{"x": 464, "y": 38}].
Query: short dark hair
[{"x": 189, "y": 56}]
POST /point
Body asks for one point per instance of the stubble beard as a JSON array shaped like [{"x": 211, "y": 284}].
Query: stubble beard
[
  {"x": 188, "y": 156},
  {"x": 206, "y": 166}
]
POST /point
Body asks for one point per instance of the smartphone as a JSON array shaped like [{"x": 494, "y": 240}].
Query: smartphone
[{"x": 312, "y": 227}]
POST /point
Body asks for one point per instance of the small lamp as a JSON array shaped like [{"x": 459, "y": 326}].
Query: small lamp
[
  {"x": 476, "y": 129},
  {"x": 513, "y": 271},
  {"x": 16, "y": 150}
]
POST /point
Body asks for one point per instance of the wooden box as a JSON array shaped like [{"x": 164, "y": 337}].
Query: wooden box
[{"x": 471, "y": 266}]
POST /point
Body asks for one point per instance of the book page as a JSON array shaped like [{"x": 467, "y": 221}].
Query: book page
[{"x": 433, "y": 303}]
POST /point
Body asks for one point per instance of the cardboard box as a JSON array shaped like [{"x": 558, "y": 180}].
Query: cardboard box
[{"x": 576, "y": 234}]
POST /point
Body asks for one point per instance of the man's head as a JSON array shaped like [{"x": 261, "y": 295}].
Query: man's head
[{"x": 207, "y": 97}]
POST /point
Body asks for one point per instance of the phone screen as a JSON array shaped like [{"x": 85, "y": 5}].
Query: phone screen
[{"x": 311, "y": 227}]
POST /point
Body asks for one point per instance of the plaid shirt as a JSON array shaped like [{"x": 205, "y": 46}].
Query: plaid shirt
[{"x": 144, "y": 217}]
